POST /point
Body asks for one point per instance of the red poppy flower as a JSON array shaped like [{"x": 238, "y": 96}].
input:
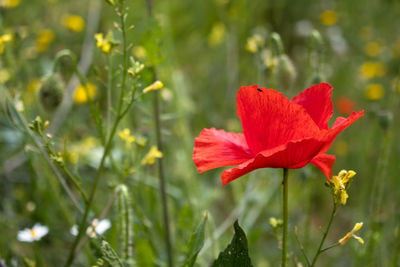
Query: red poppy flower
[
  {"x": 277, "y": 133},
  {"x": 345, "y": 105}
]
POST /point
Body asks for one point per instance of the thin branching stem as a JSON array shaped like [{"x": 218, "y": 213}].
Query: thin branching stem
[
  {"x": 301, "y": 247},
  {"x": 320, "y": 250},
  {"x": 108, "y": 145}
]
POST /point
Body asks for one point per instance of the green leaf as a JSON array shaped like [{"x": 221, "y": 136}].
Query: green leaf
[
  {"x": 196, "y": 243},
  {"x": 237, "y": 253},
  {"x": 109, "y": 255}
]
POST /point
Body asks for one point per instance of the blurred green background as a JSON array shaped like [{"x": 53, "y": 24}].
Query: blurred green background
[{"x": 203, "y": 52}]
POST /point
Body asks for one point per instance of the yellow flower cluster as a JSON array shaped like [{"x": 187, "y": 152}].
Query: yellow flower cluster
[
  {"x": 80, "y": 95},
  {"x": 340, "y": 184},
  {"x": 329, "y": 18},
  {"x": 372, "y": 49},
  {"x": 125, "y": 135},
  {"x": 351, "y": 234},
  {"x": 4, "y": 39},
  {"x": 105, "y": 44},
  {"x": 217, "y": 34},
  {"x": 150, "y": 157},
  {"x": 372, "y": 69},
  {"x": 44, "y": 39},
  {"x": 254, "y": 43},
  {"x": 374, "y": 91},
  {"x": 9, "y": 3},
  {"x": 74, "y": 23}
]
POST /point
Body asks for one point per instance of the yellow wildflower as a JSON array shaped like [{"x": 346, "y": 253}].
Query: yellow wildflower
[
  {"x": 152, "y": 87},
  {"x": 150, "y": 157},
  {"x": 328, "y": 17},
  {"x": 44, "y": 39},
  {"x": 351, "y": 234},
  {"x": 9, "y": 3},
  {"x": 217, "y": 34},
  {"x": 125, "y": 135},
  {"x": 80, "y": 95},
  {"x": 4, "y": 75},
  {"x": 374, "y": 91},
  {"x": 104, "y": 43},
  {"x": 340, "y": 184},
  {"x": 4, "y": 39},
  {"x": 141, "y": 140},
  {"x": 74, "y": 22},
  {"x": 139, "y": 52},
  {"x": 371, "y": 69},
  {"x": 372, "y": 49},
  {"x": 34, "y": 85},
  {"x": 254, "y": 43},
  {"x": 274, "y": 222}
]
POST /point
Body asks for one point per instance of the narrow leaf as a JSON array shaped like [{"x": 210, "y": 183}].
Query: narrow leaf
[
  {"x": 196, "y": 243},
  {"x": 237, "y": 253}
]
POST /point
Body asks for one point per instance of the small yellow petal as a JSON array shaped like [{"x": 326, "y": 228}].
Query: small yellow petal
[
  {"x": 357, "y": 226},
  {"x": 150, "y": 157},
  {"x": 359, "y": 239},
  {"x": 154, "y": 86}
]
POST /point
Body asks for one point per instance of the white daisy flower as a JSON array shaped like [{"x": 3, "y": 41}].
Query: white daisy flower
[
  {"x": 96, "y": 227},
  {"x": 34, "y": 234}
]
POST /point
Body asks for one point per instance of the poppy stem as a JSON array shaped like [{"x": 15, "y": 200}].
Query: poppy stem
[{"x": 285, "y": 215}]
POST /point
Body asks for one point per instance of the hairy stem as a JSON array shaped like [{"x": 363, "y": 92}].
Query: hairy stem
[{"x": 285, "y": 216}]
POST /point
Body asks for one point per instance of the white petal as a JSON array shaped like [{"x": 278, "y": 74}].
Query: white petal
[
  {"x": 74, "y": 230},
  {"x": 103, "y": 226},
  {"x": 25, "y": 236},
  {"x": 40, "y": 230}
]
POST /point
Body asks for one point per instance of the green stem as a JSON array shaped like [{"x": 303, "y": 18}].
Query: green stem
[
  {"x": 285, "y": 216},
  {"x": 108, "y": 143},
  {"x": 109, "y": 100},
  {"x": 161, "y": 173},
  {"x": 301, "y": 246},
  {"x": 62, "y": 166},
  {"x": 331, "y": 246},
  {"x": 163, "y": 187},
  {"x": 320, "y": 250}
]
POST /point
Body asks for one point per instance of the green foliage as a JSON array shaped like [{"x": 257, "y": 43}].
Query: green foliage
[
  {"x": 109, "y": 255},
  {"x": 237, "y": 252},
  {"x": 196, "y": 243}
]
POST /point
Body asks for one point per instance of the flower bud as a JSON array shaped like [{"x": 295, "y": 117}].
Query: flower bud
[
  {"x": 110, "y": 2},
  {"x": 286, "y": 72},
  {"x": 51, "y": 91},
  {"x": 385, "y": 119}
]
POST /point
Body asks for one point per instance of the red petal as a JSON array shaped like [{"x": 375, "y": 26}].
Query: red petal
[
  {"x": 324, "y": 162},
  {"x": 269, "y": 119},
  {"x": 217, "y": 148},
  {"x": 339, "y": 125},
  {"x": 317, "y": 101},
  {"x": 293, "y": 155}
]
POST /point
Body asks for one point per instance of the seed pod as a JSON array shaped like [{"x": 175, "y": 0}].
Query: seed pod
[
  {"x": 51, "y": 91},
  {"x": 286, "y": 72},
  {"x": 125, "y": 218}
]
